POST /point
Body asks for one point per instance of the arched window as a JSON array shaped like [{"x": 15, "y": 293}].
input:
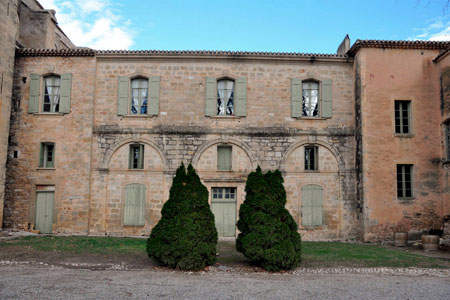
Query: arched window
[
  {"x": 312, "y": 207},
  {"x": 310, "y": 99},
  {"x": 134, "y": 204},
  {"x": 225, "y": 97},
  {"x": 52, "y": 85},
  {"x": 139, "y": 96}
]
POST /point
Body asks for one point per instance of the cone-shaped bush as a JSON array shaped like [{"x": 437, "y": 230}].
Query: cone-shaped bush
[
  {"x": 269, "y": 234},
  {"x": 185, "y": 236}
]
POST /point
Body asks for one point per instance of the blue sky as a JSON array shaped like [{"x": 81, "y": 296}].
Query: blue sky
[{"x": 265, "y": 25}]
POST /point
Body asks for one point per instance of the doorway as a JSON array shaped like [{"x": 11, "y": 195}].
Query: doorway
[{"x": 223, "y": 206}]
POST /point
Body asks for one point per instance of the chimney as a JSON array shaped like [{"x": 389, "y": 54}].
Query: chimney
[{"x": 344, "y": 46}]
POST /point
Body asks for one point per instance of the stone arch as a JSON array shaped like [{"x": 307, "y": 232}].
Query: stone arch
[
  {"x": 201, "y": 149},
  {"x": 110, "y": 152},
  {"x": 339, "y": 158}
]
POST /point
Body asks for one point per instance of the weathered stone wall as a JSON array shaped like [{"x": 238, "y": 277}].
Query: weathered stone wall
[
  {"x": 389, "y": 75},
  {"x": 72, "y": 135},
  {"x": 9, "y": 26}
]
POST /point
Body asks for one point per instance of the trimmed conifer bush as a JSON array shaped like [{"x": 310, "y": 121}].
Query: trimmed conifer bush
[
  {"x": 269, "y": 234},
  {"x": 185, "y": 236}
]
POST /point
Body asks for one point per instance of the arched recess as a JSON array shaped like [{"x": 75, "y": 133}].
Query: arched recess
[
  {"x": 339, "y": 158},
  {"x": 110, "y": 152},
  {"x": 201, "y": 149}
]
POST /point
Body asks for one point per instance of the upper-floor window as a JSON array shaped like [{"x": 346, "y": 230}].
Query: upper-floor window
[
  {"x": 311, "y": 156},
  {"x": 47, "y": 155},
  {"x": 310, "y": 99},
  {"x": 402, "y": 117},
  {"x": 139, "y": 96},
  {"x": 136, "y": 157},
  {"x": 447, "y": 139},
  {"x": 225, "y": 97},
  {"x": 51, "y": 93}
]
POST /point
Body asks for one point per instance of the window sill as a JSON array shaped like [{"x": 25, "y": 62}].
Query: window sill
[
  {"x": 42, "y": 168},
  {"x": 311, "y": 118},
  {"x": 311, "y": 171},
  {"x": 49, "y": 114},
  {"x": 406, "y": 198},
  {"x": 138, "y": 116},
  {"x": 404, "y": 135},
  {"x": 138, "y": 170},
  {"x": 225, "y": 171},
  {"x": 224, "y": 117}
]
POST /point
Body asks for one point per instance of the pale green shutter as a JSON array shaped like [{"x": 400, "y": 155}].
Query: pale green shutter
[
  {"x": 123, "y": 93},
  {"x": 296, "y": 98},
  {"x": 224, "y": 158},
  {"x": 65, "y": 90},
  {"x": 240, "y": 97},
  {"x": 134, "y": 204},
  {"x": 312, "y": 208},
  {"x": 141, "y": 157},
  {"x": 307, "y": 211},
  {"x": 35, "y": 86},
  {"x": 211, "y": 97},
  {"x": 41, "y": 155},
  {"x": 153, "y": 106},
  {"x": 317, "y": 206},
  {"x": 327, "y": 96}
]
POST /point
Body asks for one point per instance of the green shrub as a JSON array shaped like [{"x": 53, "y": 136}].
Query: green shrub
[
  {"x": 269, "y": 234},
  {"x": 185, "y": 236}
]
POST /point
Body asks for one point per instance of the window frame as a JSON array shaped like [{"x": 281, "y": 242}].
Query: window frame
[
  {"x": 140, "y": 160},
  {"x": 402, "y": 191},
  {"x": 315, "y": 149},
  {"x": 232, "y": 97},
  {"x": 44, "y": 95},
  {"x": 225, "y": 146},
  {"x": 401, "y": 132},
  {"x": 43, "y": 156},
  {"x": 130, "y": 96},
  {"x": 319, "y": 100}
]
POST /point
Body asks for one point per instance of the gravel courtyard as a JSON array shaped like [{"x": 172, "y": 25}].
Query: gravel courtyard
[{"x": 29, "y": 281}]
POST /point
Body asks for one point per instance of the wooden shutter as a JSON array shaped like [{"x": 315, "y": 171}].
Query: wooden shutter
[
  {"x": 296, "y": 98},
  {"x": 153, "y": 106},
  {"x": 327, "y": 97},
  {"x": 240, "y": 97},
  {"x": 35, "y": 86},
  {"x": 123, "y": 93},
  {"x": 65, "y": 91},
  {"x": 41, "y": 155},
  {"x": 312, "y": 209},
  {"x": 211, "y": 97},
  {"x": 224, "y": 158},
  {"x": 141, "y": 157},
  {"x": 134, "y": 204}
]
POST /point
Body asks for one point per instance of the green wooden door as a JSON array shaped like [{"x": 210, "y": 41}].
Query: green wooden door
[
  {"x": 44, "y": 211},
  {"x": 312, "y": 208},
  {"x": 224, "y": 210}
]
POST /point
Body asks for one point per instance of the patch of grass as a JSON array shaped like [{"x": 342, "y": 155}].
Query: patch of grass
[
  {"x": 79, "y": 244},
  {"x": 364, "y": 255}
]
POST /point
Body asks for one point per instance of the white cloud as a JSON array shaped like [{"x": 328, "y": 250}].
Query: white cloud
[
  {"x": 438, "y": 29},
  {"x": 92, "y": 23}
]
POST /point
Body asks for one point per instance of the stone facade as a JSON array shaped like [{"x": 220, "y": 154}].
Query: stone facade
[{"x": 353, "y": 183}]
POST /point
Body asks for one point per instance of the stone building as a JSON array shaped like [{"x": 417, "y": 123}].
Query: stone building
[{"x": 361, "y": 136}]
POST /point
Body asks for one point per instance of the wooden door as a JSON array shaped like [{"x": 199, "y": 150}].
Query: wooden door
[
  {"x": 223, "y": 207},
  {"x": 44, "y": 211}
]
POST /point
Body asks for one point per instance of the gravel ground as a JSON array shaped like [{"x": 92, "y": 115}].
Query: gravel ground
[{"x": 28, "y": 281}]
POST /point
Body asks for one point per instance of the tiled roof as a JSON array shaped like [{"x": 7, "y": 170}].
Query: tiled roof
[
  {"x": 55, "y": 52},
  {"x": 431, "y": 45}
]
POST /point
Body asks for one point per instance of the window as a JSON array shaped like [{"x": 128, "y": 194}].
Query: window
[
  {"x": 312, "y": 207},
  {"x": 134, "y": 207},
  {"x": 311, "y": 158},
  {"x": 139, "y": 95},
  {"x": 310, "y": 99},
  {"x": 136, "y": 159},
  {"x": 447, "y": 139},
  {"x": 47, "y": 155},
  {"x": 51, "y": 93},
  {"x": 402, "y": 117},
  {"x": 224, "y": 158},
  {"x": 404, "y": 181},
  {"x": 225, "y": 97}
]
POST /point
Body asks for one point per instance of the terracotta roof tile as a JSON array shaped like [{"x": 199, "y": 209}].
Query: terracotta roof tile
[
  {"x": 55, "y": 52},
  {"x": 431, "y": 45}
]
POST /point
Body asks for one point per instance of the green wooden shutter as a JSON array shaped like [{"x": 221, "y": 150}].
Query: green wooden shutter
[
  {"x": 312, "y": 208},
  {"x": 65, "y": 90},
  {"x": 224, "y": 158},
  {"x": 35, "y": 86},
  {"x": 296, "y": 98},
  {"x": 134, "y": 204},
  {"x": 141, "y": 157},
  {"x": 317, "y": 206},
  {"x": 307, "y": 210},
  {"x": 123, "y": 93},
  {"x": 211, "y": 97},
  {"x": 327, "y": 97},
  {"x": 41, "y": 155},
  {"x": 240, "y": 97},
  {"x": 153, "y": 106}
]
